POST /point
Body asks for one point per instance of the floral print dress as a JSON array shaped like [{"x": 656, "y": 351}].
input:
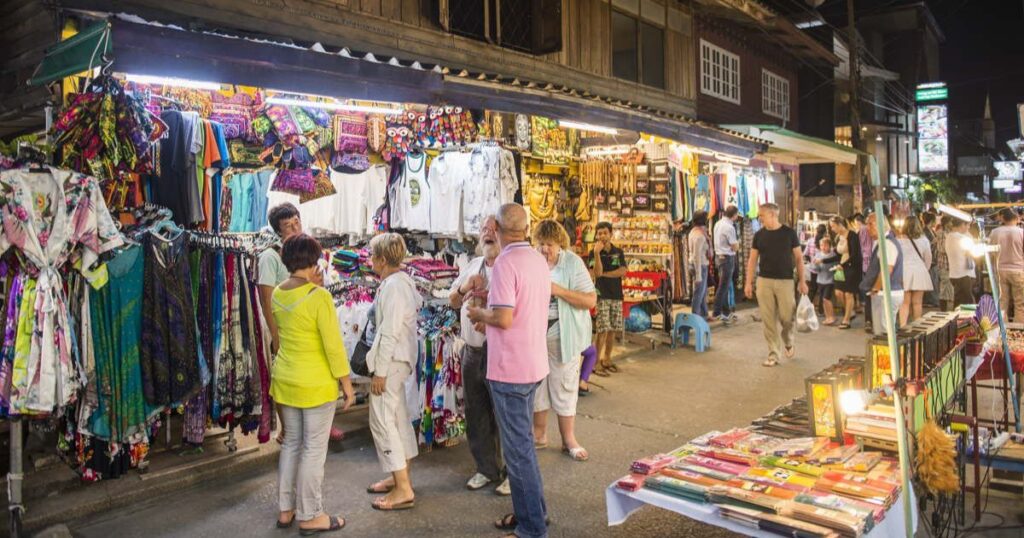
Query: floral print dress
[{"x": 53, "y": 217}]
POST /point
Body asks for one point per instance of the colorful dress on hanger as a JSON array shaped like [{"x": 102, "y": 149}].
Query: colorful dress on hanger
[
  {"x": 53, "y": 217},
  {"x": 116, "y": 319},
  {"x": 171, "y": 369}
]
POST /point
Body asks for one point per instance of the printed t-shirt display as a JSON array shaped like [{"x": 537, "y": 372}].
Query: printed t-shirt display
[
  {"x": 520, "y": 281},
  {"x": 412, "y": 195},
  {"x": 611, "y": 260},
  {"x": 775, "y": 252}
]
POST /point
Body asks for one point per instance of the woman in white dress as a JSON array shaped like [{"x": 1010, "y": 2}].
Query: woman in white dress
[{"x": 917, "y": 259}]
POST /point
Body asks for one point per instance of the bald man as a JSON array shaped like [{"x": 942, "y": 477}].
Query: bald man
[{"x": 516, "y": 321}]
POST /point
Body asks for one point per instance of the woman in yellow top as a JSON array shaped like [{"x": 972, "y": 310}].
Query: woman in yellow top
[{"x": 304, "y": 384}]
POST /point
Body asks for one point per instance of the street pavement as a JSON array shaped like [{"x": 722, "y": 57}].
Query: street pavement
[{"x": 660, "y": 399}]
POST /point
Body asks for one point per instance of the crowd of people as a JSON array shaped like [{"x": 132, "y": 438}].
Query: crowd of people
[
  {"x": 525, "y": 304},
  {"x": 930, "y": 263}
]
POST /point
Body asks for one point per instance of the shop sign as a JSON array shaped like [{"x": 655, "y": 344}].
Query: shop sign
[
  {"x": 1003, "y": 184},
  {"x": 1010, "y": 170},
  {"x": 552, "y": 144},
  {"x": 1017, "y": 147},
  {"x": 931, "y": 91},
  {"x": 933, "y": 138},
  {"x": 1020, "y": 119},
  {"x": 975, "y": 166}
]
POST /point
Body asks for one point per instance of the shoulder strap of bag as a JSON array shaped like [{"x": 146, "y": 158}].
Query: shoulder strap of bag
[{"x": 914, "y": 244}]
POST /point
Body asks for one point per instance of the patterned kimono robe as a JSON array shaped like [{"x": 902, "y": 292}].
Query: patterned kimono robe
[{"x": 53, "y": 217}]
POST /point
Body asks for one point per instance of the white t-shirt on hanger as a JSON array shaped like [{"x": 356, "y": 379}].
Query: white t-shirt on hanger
[
  {"x": 359, "y": 195},
  {"x": 448, "y": 172}
]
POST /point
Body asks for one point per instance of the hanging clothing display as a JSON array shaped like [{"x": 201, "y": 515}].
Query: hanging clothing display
[
  {"x": 492, "y": 182},
  {"x": 52, "y": 217},
  {"x": 411, "y": 195},
  {"x": 439, "y": 376},
  {"x": 171, "y": 369},
  {"x": 115, "y": 316}
]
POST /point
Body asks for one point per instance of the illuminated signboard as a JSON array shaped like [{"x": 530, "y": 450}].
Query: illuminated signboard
[
  {"x": 933, "y": 138},
  {"x": 931, "y": 94},
  {"x": 1011, "y": 170}
]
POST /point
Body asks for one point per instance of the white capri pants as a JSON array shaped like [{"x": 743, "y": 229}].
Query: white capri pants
[
  {"x": 392, "y": 431},
  {"x": 560, "y": 389}
]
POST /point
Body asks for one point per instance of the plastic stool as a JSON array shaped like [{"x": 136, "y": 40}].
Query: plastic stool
[{"x": 701, "y": 330}]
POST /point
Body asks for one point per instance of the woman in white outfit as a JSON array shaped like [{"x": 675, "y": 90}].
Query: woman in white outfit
[
  {"x": 569, "y": 333},
  {"x": 917, "y": 259},
  {"x": 391, "y": 360}
]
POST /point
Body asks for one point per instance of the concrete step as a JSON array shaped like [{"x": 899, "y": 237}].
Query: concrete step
[{"x": 55, "y": 495}]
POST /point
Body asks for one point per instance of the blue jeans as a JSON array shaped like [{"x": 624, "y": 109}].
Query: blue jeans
[
  {"x": 699, "y": 302},
  {"x": 726, "y": 268},
  {"x": 513, "y": 407}
]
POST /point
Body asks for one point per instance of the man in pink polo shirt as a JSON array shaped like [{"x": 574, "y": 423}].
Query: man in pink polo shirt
[{"x": 517, "y": 324}]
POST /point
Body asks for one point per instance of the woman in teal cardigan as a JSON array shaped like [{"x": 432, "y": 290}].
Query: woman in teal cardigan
[{"x": 569, "y": 333}]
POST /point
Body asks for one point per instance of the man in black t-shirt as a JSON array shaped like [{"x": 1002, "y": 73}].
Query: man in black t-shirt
[
  {"x": 607, "y": 267},
  {"x": 773, "y": 256}
]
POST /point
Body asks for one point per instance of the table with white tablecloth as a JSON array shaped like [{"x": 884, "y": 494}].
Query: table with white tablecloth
[{"x": 621, "y": 504}]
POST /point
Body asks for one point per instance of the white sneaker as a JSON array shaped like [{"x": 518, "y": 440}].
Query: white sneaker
[
  {"x": 478, "y": 481},
  {"x": 504, "y": 489}
]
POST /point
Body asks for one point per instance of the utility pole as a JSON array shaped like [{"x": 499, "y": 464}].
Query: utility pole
[{"x": 855, "y": 132}]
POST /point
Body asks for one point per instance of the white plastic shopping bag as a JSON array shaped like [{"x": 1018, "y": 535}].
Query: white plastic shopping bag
[{"x": 806, "y": 319}]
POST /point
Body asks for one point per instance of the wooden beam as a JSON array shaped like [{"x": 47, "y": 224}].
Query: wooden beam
[{"x": 312, "y": 21}]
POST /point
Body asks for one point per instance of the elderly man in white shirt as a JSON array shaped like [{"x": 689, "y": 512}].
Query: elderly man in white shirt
[{"x": 481, "y": 426}]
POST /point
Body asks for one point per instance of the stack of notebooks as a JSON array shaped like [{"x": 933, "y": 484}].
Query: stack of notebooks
[
  {"x": 787, "y": 421},
  {"x": 877, "y": 422},
  {"x": 798, "y": 486}
]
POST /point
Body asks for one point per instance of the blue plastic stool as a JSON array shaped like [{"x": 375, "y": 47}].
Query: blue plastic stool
[{"x": 701, "y": 330}]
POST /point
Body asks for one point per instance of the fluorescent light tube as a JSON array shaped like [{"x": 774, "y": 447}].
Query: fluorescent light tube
[
  {"x": 329, "y": 105},
  {"x": 587, "y": 127},
  {"x": 171, "y": 81},
  {"x": 955, "y": 213}
]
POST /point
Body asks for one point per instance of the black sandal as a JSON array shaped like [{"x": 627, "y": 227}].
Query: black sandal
[
  {"x": 843, "y": 326},
  {"x": 282, "y": 525},
  {"x": 508, "y": 522},
  {"x": 337, "y": 524}
]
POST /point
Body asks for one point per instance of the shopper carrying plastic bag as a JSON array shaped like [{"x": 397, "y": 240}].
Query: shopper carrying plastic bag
[{"x": 806, "y": 319}]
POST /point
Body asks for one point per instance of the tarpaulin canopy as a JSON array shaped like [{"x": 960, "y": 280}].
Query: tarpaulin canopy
[{"x": 81, "y": 52}]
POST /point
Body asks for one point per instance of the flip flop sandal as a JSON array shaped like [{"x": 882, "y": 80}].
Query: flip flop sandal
[
  {"x": 770, "y": 363},
  {"x": 790, "y": 352},
  {"x": 612, "y": 368},
  {"x": 843, "y": 326},
  {"x": 577, "y": 454},
  {"x": 540, "y": 446},
  {"x": 288, "y": 525},
  {"x": 584, "y": 392},
  {"x": 386, "y": 490},
  {"x": 337, "y": 524},
  {"x": 386, "y": 506},
  {"x": 509, "y": 523},
  {"x": 602, "y": 373}
]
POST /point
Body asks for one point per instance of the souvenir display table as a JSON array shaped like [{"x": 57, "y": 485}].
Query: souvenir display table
[{"x": 622, "y": 504}]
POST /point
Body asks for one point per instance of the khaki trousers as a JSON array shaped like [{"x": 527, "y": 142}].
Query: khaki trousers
[
  {"x": 1011, "y": 286},
  {"x": 776, "y": 298}
]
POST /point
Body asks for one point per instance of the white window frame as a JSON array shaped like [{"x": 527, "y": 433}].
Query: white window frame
[
  {"x": 774, "y": 95},
  {"x": 719, "y": 73}
]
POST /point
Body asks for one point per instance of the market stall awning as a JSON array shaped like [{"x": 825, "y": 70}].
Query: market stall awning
[
  {"x": 805, "y": 149},
  {"x": 151, "y": 49},
  {"x": 81, "y": 52}
]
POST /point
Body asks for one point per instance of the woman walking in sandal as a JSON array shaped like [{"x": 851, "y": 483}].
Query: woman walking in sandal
[
  {"x": 390, "y": 360},
  {"x": 569, "y": 326}
]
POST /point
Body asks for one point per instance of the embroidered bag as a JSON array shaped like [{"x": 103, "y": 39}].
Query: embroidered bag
[
  {"x": 324, "y": 186},
  {"x": 295, "y": 181},
  {"x": 350, "y": 132},
  {"x": 376, "y": 133}
]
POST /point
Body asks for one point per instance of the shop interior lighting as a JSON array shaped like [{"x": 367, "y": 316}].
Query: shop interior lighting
[
  {"x": 587, "y": 127},
  {"x": 334, "y": 105},
  {"x": 955, "y": 213},
  {"x": 606, "y": 151},
  {"x": 171, "y": 81},
  {"x": 743, "y": 161},
  {"x": 854, "y": 402}
]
